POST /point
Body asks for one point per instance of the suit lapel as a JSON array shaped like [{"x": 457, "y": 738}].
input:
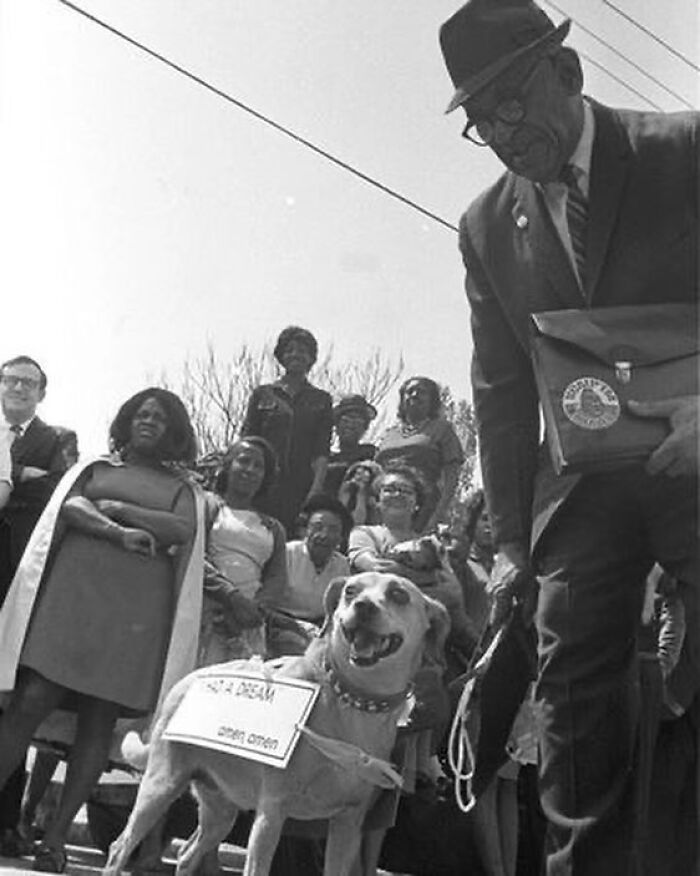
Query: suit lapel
[
  {"x": 538, "y": 244},
  {"x": 609, "y": 165}
]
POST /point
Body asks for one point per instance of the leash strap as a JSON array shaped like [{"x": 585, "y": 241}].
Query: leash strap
[
  {"x": 460, "y": 752},
  {"x": 350, "y": 757}
]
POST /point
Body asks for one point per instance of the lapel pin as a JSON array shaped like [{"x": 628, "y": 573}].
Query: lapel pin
[{"x": 521, "y": 221}]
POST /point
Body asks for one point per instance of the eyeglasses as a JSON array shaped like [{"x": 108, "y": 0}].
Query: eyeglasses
[
  {"x": 11, "y": 381},
  {"x": 510, "y": 111},
  {"x": 397, "y": 490}
]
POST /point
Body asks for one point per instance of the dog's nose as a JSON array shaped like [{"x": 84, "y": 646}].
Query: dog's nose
[{"x": 365, "y": 608}]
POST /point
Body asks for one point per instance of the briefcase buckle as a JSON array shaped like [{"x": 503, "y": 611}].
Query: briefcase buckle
[{"x": 623, "y": 371}]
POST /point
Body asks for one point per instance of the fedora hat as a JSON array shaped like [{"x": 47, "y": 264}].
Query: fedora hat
[
  {"x": 485, "y": 37},
  {"x": 357, "y": 404}
]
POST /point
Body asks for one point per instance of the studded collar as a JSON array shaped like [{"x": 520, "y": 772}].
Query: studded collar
[{"x": 357, "y": 700}]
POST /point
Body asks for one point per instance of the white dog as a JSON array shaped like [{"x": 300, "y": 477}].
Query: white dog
[{"x": 379, "y": 629}]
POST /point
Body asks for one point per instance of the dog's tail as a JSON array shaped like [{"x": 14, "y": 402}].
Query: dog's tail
[{"x": 134, "y": 750}]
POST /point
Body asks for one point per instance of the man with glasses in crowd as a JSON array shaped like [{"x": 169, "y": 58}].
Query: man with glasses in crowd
[
  {"x": 37, "y": 465},
  {"x": 597, "y": 207}
]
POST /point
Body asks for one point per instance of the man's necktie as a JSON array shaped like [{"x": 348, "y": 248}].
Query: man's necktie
[
  {"x": 577, "y": 219},
  {"x": 16, "y": 430}
]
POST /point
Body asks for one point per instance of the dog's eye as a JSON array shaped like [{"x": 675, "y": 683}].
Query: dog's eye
[
  {"x": 351, "y": 591},
  {"x": 398, "y": 595}
]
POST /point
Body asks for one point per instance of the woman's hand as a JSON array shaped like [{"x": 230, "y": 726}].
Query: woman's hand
[
  {"x": 388, "y": 567},
  {"x": 345, "y": 493},
  {"x": 138, "y": 541},
  {"x": 420, "y": 577},
  {"x": 245, "y": 612},
  {"x": 109, "y": 507},
  {"x": 239, "y": 613}
]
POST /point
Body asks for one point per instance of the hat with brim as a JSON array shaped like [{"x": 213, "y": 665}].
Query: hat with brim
[
  {"x": 484, "y": 38},
  {"x": 356, "y": 404}
]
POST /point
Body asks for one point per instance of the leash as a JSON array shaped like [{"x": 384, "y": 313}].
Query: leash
[
  {"x": 460, "y": 752},
  {"x": 350, "y": 757}
]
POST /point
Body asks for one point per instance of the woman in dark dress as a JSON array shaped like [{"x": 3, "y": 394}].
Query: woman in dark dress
[
  {"x": 351, "y": 418},
  {"x": 100, "y": 629},
  {"x": 295, "y": 418},
  {"x": 424, "y": 439}
]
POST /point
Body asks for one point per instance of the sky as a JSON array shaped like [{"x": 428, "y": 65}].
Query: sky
[{"x": 144, "y": 217}]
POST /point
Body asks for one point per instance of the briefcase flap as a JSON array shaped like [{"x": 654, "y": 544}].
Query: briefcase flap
[
  {"x": 589, "y": 364},
  {"x": 637, "y": 336}
]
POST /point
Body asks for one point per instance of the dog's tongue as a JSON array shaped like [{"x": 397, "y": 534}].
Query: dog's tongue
[{"x": 364, "y": 642}]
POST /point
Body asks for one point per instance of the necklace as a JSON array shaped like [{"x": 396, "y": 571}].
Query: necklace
[{"x": 407, "y": 429}]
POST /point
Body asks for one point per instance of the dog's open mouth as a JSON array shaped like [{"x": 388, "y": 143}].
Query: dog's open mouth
[{"x": 367, "y": 647}]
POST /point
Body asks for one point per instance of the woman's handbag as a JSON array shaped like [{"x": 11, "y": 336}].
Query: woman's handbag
[{"x": 589, "y": 363}]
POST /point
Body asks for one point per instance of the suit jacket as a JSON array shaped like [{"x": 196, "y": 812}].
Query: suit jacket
[
  {"x": 641, "y": 248},
  {"x": 39, "y": 446}
]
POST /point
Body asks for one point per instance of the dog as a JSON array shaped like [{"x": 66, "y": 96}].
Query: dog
[
  {"x": 423, "y": 554},
  {"x": 426, "y": 563},
  {"x": 379, "y": 630}
]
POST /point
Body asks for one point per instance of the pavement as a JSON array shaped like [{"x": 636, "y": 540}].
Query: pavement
[
  {"x": 83, "y": 860},
  {"x": 86, "y": 861}
]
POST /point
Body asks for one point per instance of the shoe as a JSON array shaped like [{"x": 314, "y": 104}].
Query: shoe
[
  {"x": 48, "y": 859},
  {"x": 31, "y": 831},
  {"x": 13, "y": 844}
]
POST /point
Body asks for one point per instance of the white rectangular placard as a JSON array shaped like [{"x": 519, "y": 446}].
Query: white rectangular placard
[{"x": 246, "y": 714}]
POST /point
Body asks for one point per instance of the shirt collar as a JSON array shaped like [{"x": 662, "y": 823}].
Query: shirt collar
[
  {"x": 23, "y": 425},
  {"x": 278, "y": 384},
  {"x": 581, "y": 158}
]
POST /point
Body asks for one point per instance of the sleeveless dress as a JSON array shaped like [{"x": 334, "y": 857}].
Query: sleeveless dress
[
  {"x": 102, "y": 621},
  {"x": 428, "y": 449},
  {"x": 239, "y": 545}
]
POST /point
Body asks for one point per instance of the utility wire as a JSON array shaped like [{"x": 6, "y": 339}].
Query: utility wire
[
  {"x": 651, "y": 34},
  {"x": 620, "y": 54},
  {"x": 612, "y": 76},
  {"x": 263, "y": 118}
]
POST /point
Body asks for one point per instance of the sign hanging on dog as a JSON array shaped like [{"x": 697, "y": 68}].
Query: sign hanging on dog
[{"x": 248, "y": 714}]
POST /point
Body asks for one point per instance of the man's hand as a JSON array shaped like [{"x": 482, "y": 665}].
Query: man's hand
[
  {"x": 32, "y": 473},
  {"x": 510, "y": 577},
  {"x": 678, "y": 453}
]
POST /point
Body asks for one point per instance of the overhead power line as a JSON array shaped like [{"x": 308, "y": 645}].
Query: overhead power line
[
  {"x": 651, "y": 34},
  {"x": 261, "y": 117},
  {"x": 620, "y": 54},
  {"x": 618, "y": 79}
]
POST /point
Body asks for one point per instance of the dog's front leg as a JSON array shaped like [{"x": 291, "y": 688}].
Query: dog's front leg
[
  {"x": 263, "y": 840},
  {"x": 343, "y": 846}
]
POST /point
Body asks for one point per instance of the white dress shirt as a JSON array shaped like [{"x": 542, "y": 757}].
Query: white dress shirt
[{"x": 6, "y": 439}]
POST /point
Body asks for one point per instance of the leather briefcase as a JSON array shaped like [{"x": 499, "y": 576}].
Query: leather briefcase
[{"x": 589, "y": 363}]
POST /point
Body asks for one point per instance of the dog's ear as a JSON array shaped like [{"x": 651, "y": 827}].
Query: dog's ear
[
  {"x": 434, "y": 549},
  {"x": 436, "y": 636},
  {"x": 331, "y": 598}
]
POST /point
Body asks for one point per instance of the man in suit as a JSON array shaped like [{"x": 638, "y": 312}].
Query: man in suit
[
  {"x": 590, "y": 540},
  {"x": 37, "y": 464}
]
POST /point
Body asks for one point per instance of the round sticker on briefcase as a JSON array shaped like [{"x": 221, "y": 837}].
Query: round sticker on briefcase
[{"x": 590, "y": 403}]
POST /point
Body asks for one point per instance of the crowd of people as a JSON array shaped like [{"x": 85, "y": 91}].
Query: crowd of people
[
  {"x": 126, "y": 572},
  {"x": 120, "y": 574}
]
